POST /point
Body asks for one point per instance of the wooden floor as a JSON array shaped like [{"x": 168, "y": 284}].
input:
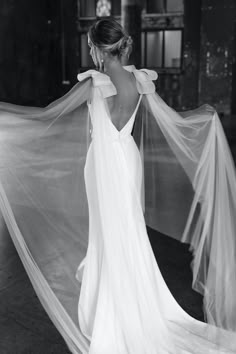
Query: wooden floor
[{"x": 25, "y": 327}]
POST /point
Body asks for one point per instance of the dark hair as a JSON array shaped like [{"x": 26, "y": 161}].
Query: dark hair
[{"x": 107, "y": 34}]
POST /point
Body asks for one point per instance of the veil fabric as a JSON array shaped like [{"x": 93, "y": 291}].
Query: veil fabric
[
  {"x": 188, "y": 193},
  {"x": 191, "y": 197},
  {"x": 43, "y": 199}
]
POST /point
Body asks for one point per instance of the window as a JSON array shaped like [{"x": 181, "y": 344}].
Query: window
[
  {"x": 152, "y": 46},
  {"x": 172, "y": 49},
  {"x": 162, "y": 48},
  {"x": 103, "y": 8},
  {"x": 162, "y": 31},
  {"x": 93, "y": 8},
  {"x": 162, "y": 6},
  {"x": 99, "y": 8}
]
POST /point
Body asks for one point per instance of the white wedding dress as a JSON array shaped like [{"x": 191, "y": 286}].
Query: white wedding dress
[
  {"x": 97, "y": 276},
  {"x": 125, "y": 306}
]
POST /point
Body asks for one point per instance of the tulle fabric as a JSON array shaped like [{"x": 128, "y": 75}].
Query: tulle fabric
[
  {"x": 194, "y": 200},
  {"x": 43, "y": 199},
  {"x": 125, "y": 305},
  {"x": 188, "y": 193}
]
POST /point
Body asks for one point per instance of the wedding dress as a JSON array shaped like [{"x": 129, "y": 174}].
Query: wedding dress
[{"x": 97, "y": 277}]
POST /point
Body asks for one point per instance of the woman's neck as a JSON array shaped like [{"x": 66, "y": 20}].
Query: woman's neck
[{"x": 113, "y": 68}]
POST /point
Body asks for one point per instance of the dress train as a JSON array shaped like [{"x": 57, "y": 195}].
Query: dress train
[
  {"x": 70, "y": 199},
  {"x": 125, "y": 306}
]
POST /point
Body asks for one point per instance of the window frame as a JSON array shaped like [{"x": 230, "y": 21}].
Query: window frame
[{"x": 162, "y": 68}]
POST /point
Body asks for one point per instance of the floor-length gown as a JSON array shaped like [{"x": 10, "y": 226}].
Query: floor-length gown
[
  {"x": 125, "y": 306},
  {"x": 97, "y": 276}
]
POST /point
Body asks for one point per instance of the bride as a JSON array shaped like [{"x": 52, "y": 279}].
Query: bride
[{"x": 142, "y": 163}]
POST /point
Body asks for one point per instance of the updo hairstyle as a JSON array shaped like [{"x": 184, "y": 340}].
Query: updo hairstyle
[{"x": 108, "y": 35}]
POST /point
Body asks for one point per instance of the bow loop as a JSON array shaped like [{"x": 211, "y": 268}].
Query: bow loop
[
  {"x": 145, "y": 78},
  {"x": 100, "y": 80}
]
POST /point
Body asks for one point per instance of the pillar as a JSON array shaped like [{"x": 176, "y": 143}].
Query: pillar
[
  {"x": 131, "y": 20},
  {"x": 191, "y": 53}
]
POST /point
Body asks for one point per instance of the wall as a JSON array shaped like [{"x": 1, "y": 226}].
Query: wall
[
  {"x": 191, "y": 54},
  {"x": 217, "y": 53},
  {"x": 31, "y": 60}
]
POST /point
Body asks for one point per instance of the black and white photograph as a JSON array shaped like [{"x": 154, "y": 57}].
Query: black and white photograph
[{"x": 117, "y": 177}]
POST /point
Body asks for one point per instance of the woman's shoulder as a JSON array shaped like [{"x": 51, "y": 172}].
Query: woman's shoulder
[
  {"x": 143, "y": 73},
  {"x": 95, "y": 75},
  {"x": 100, "y": 80},
  {"x": 144, "y": 80}
]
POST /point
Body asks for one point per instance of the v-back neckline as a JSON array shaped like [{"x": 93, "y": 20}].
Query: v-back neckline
[
  {"x": 129, "y": 68},
  {"x": 133, "y": 114}
]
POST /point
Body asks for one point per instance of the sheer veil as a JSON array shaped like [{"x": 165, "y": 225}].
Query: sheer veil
[
  {"x": 188, "y": 193},
  {"x": 43, "y": 199}
]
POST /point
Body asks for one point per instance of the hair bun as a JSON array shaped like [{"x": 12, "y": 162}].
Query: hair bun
[
  {"x": 125, "y": 46},
  {"x": 126, "y": 41},
  {"x": 108, "y": 34}
]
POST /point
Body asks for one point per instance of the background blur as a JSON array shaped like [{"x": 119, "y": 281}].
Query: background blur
[{"x": 190, "y": 43}]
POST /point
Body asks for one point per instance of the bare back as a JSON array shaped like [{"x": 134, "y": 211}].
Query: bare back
[{"x": 122, "y": 105}]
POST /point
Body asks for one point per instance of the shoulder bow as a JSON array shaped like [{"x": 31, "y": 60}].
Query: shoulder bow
[
  {"x": 144, "y": 80},
  {"x": 100, "y": 80}
]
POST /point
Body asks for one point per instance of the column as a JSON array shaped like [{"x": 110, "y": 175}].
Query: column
[{"x": 132, "y": 22}]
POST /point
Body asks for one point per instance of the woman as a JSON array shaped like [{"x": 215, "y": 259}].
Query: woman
[{"x": 124, "y": 305}]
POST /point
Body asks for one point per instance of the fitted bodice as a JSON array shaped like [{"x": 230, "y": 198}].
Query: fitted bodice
[
  {"x": 104, "y": 88},
  {"x": 112, "y": 132}
]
